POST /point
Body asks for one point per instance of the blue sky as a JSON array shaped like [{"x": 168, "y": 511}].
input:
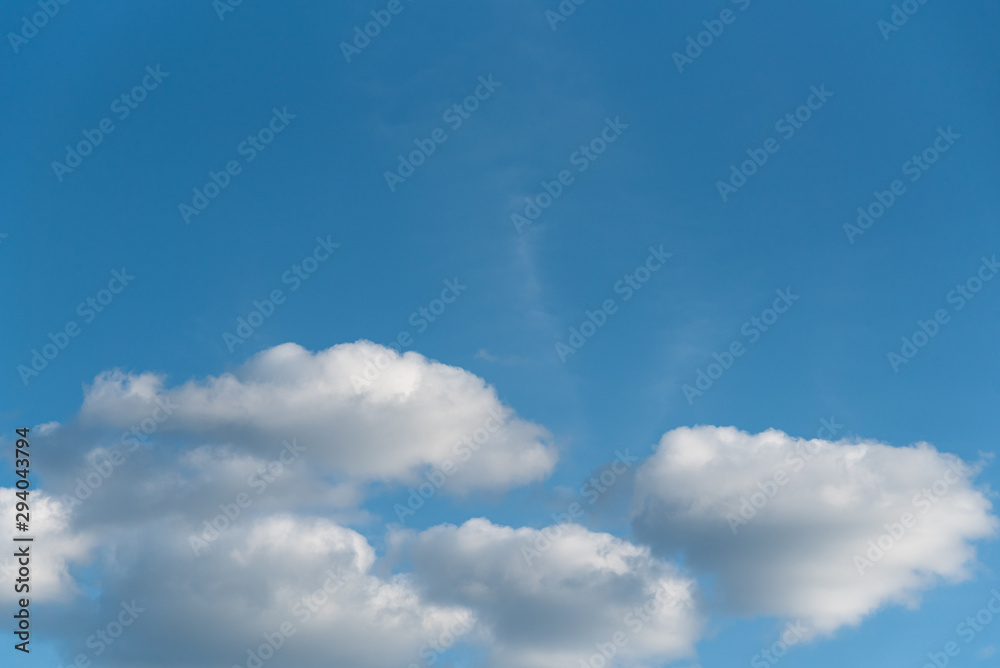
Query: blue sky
[{"x": 677, "y": 131}]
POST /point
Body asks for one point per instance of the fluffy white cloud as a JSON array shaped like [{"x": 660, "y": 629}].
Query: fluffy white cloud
[
  {"x": 558, "y": 596},
  {"x": 300, "y": 588},
  {"x": 365, "y": 412},
  {"x": 55, "y": 546},
  {"x": 785, "y": 523}
]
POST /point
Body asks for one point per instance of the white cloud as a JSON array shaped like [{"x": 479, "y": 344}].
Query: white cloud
[
  {"x": 366, "y": 412},
  {"x": 318, "y": 584},
  {"x": 552, "y": 598},
  {"x": 54, "y": 547},
  {"x": 795, "y": 545},
  {"x": 309, "y": 574}
]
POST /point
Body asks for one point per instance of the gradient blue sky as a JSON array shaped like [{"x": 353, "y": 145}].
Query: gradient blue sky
[{"x": 655, "y": 185}]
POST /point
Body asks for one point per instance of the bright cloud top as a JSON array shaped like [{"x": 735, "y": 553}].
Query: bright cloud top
[{"x": 365, "y": 411}]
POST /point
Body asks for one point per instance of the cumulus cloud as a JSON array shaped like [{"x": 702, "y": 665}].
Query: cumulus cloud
[
  {"x": 366, "y": 412},
  {"x": 300, "y": 588},
  {"x": 557, "y": 596},
  {"x": 785, "y": 523}
]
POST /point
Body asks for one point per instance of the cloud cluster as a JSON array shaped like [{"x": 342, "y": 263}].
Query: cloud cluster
[
  {"x": 214, "y": 529},
  {"x": 230, "y": 510}
]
